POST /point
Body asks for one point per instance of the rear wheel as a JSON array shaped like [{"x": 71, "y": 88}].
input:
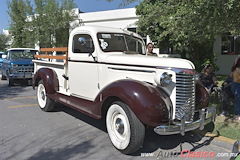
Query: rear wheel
[
  {"x": 45, "y": 103},
  {"x": 125, "y": 130}
]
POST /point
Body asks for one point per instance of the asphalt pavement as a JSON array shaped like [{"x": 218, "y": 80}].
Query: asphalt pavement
[{"x": 28, "y": 133}]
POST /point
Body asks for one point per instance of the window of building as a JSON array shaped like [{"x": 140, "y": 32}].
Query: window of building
[
  {"x": 135, "y": 30},
  {"x": 166, "y": 50},
  {"x": 83, "y": 43},
  {"x": 230, "y": 45}
]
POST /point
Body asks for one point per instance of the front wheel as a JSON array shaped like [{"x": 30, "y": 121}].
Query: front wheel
[
  {"x": 3, "y": 77},
  {"x": 10, "y": 82},
  {"x": 125, "y": 130},
  {"x": 45, "y": 103}
]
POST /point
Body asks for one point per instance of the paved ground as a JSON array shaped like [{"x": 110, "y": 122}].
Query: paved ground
[{"x": 27, "y": 133}]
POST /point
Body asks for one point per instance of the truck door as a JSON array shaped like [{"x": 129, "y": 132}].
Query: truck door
[{"x": 83, "y": 70}]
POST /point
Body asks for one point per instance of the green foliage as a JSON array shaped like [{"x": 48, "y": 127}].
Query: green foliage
[
  {"x": 189, "y": 26},
  {"x": 18, "y": 13},
  {"x": 42, "y": 22},
  {"x": 3, "y": 42}
]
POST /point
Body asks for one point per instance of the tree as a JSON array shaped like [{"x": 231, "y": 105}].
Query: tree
[
  {"x": 189, "y": 26},
  {"x": 18, "y": 13},
  {"x": 42, "y": 22},
  {"x": 3, "y": 42}
]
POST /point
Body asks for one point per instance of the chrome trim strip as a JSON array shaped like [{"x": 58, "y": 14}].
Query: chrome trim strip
[
  {"x": 177, "y": 70},
  {"x": 133, "y": 70}
]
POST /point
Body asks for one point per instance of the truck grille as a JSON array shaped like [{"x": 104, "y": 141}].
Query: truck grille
[
  {"x": 24, "y": 70},
  {"x": 185, "y": 96}
]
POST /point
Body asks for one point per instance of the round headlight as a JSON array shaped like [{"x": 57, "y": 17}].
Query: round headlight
[{"x": 165, "y": 79}]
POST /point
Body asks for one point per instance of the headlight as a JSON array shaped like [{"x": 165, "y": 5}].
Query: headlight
[
  {"x": 14, "y": 65},
  {"x": 165, "y": 79}
]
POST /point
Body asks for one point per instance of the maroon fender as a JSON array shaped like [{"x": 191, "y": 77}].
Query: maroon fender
[
  {"x": 202, "y": 96},
  {"x": 149, "y": 103},
  {"x": 50, "y": 80}
]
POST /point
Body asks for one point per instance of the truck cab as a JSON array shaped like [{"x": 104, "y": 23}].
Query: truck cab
[{"x": 105, "y": 73}]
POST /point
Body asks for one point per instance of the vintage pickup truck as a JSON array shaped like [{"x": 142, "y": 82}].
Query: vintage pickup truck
[
  {"x": 18, "y": 65},
  {"x": 105, "y": 73}
]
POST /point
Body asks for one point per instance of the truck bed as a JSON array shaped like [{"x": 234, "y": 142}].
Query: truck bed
[{"x": 57, "y": 63}]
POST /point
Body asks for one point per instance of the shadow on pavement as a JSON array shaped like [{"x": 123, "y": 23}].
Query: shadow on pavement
[
  {"x": 13, "y": 91},
  {"x": 152, "y": 142}
]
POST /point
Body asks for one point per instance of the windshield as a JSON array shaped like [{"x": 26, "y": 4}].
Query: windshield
[
  {"x": 25, "y": 54},
  {"x": 115, "y": 42}
]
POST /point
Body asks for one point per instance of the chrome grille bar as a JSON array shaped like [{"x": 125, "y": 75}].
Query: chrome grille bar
[{"x": 185, "y": 96}]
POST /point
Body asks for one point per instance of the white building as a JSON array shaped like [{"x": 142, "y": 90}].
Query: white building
[
  {"x": 120, "y": 18},
  {"x": 226, "y": 50}
]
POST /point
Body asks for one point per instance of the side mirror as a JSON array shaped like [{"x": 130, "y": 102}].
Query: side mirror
[{"x": 82, "y": 40}]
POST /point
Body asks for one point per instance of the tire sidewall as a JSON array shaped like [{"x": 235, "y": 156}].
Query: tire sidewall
[
  {"x": 45, "y": 103},
  {"x": 42, "y": 101},
  {"x": 119, "y": 143}
]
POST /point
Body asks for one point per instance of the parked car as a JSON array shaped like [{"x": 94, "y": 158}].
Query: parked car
[
  {"x": 18, "y": 64},
  {"x": 2, "y": 56}
]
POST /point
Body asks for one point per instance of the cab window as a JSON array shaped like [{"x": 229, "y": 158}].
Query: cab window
[{"x": 83, "y": 43}]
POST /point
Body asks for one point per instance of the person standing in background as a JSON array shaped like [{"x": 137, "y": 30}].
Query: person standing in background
[{"x": 236, "y": 88}]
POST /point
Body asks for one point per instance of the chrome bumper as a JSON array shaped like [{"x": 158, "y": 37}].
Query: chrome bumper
[
  {"x": 205, "y": 116},
  {"x": 21, "y": 75}
]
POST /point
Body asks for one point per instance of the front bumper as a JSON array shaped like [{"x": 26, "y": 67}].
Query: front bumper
[
  {"x": 205, "y": 116},
  {"x": 25, "y": 75}
]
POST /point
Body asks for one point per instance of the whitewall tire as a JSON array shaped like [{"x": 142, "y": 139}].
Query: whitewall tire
[
  {"x": 125, "y": 130},
  {"x": 45, "y": 103}
]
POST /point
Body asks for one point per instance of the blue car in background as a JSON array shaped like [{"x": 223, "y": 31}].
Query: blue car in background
[
  {"x": 2, "y": 57},
  {"x": 18, "y": 65}
]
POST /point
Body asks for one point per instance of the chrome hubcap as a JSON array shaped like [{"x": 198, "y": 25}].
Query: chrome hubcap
[
  {"x": 119, "y": 126},
  {"x": 43, "y": 95}
]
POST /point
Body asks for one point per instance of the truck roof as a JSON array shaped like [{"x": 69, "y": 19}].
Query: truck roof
[{"x": 97, "y": 29}]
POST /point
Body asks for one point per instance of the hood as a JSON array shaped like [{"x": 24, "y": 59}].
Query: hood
[
  {"x": 22, "y": 61},
  {"x": 151, "y": 61}
]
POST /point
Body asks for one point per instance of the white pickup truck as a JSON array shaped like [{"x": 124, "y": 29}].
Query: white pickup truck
[{"x": 105, "y": 73}]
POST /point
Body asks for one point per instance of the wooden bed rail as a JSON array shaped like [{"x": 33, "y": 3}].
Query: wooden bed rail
[{"x": 48, "y": 51}]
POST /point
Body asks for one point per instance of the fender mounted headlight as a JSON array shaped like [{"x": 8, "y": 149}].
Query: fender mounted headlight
[{"x": 165, "y": 79}]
